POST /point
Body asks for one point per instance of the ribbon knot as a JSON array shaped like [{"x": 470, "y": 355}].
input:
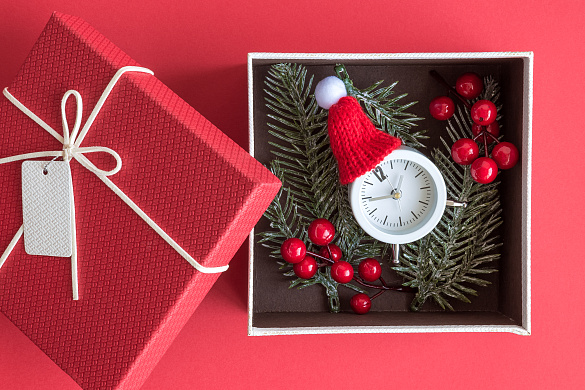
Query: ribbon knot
[
  {"x": 68, "y": 151},
  {"x": 72, "y": 150},
  {"x": 71, "y": 141}
]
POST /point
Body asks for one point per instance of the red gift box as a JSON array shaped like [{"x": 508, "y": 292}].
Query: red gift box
[{"x": 136, "y": 291}]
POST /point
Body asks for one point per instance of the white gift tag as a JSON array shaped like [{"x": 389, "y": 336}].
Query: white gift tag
[{"x": 46, "y": 207}]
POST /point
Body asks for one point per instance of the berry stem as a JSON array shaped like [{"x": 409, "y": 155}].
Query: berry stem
[
  {"x": 376, "y": 295},
  {"x": 365, "y": 284},
  {"x": 485, "y": 133},
  {"x": 383, "y": 282},
  {"x": 485, "y": 144},
  {"x": 492, "y": 137},
  {"x": 329, "y": 251},
  {"x": 478, "y": 136},
  {"x": 384, "y": 287},
  {"x": 321, "y": 257},
  {"x": 441, "y": 80}
]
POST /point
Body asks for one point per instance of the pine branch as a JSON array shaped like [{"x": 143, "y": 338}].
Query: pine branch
[
  {"x": 308, "y": 170},
  {"x": 445, "y": 263}
]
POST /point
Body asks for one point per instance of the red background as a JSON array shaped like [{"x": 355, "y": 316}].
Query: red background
[{"x": 198, "y": 48}]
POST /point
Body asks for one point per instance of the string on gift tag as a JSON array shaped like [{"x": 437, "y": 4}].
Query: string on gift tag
[
  {"x": 72, "y": 150},
  {"x": 46, "y": 167}
]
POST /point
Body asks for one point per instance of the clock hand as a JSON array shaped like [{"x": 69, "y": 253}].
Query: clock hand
[
  {"x": 394, "y": 192},
  {"x": 382, "y": 197},
  {"x": 389, "y": 182},
  {"x": 399, "y": 182},
  {"x": 391, "y": 196},
  {"x": 398, "y": 190}
]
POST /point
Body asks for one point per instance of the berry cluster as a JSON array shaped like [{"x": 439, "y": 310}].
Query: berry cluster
[
  {"x": 485, "y": 129},
  {"x": 321, "y": 232}
]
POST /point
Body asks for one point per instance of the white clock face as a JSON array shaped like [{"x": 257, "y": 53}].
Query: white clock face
[
  {"x": 401, "y": 200},
  {"x": 397, "y": 195}
]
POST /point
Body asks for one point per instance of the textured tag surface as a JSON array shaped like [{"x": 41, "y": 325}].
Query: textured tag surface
[{"x": 46, "y": 207}]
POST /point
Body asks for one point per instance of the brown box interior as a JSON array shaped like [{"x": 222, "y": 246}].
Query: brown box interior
[{"x": 277, "y": 306}]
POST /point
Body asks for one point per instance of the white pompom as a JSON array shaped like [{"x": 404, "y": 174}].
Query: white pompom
[{"x": 329, "y": 91}]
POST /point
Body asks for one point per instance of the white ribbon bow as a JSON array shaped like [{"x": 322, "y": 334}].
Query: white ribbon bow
[{"x": 72, "y": 150}]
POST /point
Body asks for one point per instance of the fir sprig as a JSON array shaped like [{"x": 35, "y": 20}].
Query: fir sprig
[
  {"x": 306, "y": 166},
  {"x": 455, "y": 255}
]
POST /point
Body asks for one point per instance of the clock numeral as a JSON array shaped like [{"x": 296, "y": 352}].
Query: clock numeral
[{"x": 379, "y": 173}]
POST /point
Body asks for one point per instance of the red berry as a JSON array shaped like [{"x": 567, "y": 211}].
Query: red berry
[
  {"x": 505, "y": 154},
  {"x": 360, "y": 303},
  {"x": 293, "y": 250},
  {"x": 484, "y": 170},
  {"x": 306, "y": 269},
  {"x": 484, "y": 112},
  {"x": 493, "y": 128},
  {"x": 335, "y": 251},
  {"x": 342, "y": 272},
  {"x": 442, "y": 108},
  {"x": 469, "y": 85},
  {"x": 464, "y": 151},
  {"x": 370, "y": 269},
  {"x": 321, "y": 232}
]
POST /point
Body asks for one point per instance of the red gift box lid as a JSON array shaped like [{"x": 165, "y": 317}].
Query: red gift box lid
[{"x": 136, "y": 292}]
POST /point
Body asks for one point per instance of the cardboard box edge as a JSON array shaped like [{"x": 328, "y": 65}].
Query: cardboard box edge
[
  {"x": 525, "y": 329},
  {"x": 514, "y": 329}
]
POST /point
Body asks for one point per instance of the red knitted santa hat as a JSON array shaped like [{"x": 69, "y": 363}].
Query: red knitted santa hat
[{"x": 356, "y": 144}]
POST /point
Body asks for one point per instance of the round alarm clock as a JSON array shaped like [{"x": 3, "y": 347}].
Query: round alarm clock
[{"x": 402, "y": 199}]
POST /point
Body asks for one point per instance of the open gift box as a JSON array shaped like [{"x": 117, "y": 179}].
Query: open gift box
[
  {"x": 503, "y": 305},
  {"x": 182, "y": 203}
]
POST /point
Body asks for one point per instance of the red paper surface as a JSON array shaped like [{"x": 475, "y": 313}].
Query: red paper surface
[
  {"x": 198, "y": 48},
  {"x": 136, "y": 292}
]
